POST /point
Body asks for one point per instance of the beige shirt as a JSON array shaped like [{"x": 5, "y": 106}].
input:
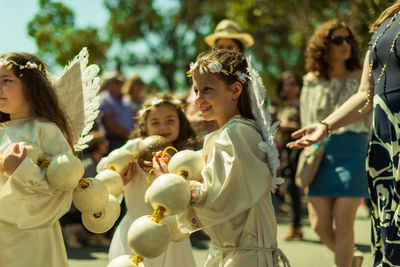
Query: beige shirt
[
  {"x": 233, "y": 204},
  {"x": 30, "y": 234},
  {"x": 319, "y": 98}
]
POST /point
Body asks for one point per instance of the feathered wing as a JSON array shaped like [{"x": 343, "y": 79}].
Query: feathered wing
[
  {"x": 77, "y": 91},
  {"x": 263, "y": 120}
]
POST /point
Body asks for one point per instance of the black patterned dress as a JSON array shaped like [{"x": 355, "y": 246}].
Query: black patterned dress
[{"x": 384, "y": 147}]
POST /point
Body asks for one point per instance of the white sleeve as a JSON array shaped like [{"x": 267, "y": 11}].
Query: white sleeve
[{"x": 235, "y": 178}]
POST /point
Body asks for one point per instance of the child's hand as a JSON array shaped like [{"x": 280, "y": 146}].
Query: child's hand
[
  {"x": 149, "y": 165},
  {"x": 13, "y": 156},
  {"x": 129, "y": 171},
  {"x": 160, "y": 165}
]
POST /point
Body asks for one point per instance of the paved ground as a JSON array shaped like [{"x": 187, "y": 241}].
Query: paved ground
[{"x": 308, "y": 252}]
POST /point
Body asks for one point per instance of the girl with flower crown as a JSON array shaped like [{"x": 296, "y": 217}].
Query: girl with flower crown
[
  {"x": 35, "y": 127},
  {"x": 160, "y": 115},
  {"x": 233, "y": 203},
  {"x": 378, "y": 92}
]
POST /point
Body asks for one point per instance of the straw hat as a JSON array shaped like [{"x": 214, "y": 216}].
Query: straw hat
[{"x": 229, "y": 29}]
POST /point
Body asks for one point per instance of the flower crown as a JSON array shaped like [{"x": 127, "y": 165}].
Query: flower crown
[
  {"x": 216, "y": 67},
  {"x": 157, "y": 101},
  {"x": 29, "y": 65}
]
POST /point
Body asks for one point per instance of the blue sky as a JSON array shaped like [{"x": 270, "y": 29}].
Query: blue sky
[{"x": 15, "y": 16}]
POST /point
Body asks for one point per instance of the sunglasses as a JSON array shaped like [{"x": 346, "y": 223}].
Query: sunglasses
[{"x": 338, "y": 40}]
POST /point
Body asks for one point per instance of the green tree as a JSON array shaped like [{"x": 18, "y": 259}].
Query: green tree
[
  {"x": 172, "y": 32},
  {"x": 281, "y": 28},
  {"x": 57, "y": 37}
]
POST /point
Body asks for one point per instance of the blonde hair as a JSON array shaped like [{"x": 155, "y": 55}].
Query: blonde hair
[{"x": 385, "y": 14}]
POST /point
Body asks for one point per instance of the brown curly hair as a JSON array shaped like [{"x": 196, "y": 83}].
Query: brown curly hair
[
  {"x": 39, "y": 92},
  {"x": 317, "y": 55},
  {"x": 187, "y": 138},
  {"x": 237, "y": 61}
]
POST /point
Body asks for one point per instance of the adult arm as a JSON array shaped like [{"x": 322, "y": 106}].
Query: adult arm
[{"x": 346, "y": 114}]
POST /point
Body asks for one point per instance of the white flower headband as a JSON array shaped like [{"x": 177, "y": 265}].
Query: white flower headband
[
  {"x": 176, "y": 102},
  {"x": 216, "y": 67},
  {"x": 29, "y": 65}
]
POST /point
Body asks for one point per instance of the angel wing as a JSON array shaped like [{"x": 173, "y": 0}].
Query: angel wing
[
  {"x": 263, "y": 120},
  {"x": 77, "y": 91}
]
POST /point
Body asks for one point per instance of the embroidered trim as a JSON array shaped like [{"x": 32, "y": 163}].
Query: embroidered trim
[
  {"x": 193, "y": 220},
  {"x": 195, "y": 191}
]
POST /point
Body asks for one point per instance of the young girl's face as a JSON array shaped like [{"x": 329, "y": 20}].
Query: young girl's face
[
  {"x": 12, "y": 99},
  {"x": 163, "y": 120},
  {"x": 216, "y": 100}
]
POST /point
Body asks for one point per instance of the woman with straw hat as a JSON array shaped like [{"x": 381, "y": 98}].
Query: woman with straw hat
[{"x": 229, "y": 35}]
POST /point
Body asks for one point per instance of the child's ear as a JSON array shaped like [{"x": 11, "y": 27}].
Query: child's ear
[{"x": 237, "y": 88}]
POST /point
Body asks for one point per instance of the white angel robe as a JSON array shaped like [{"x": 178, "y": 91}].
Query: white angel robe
[
  {"x": 30, "y": 234},
  {"x": 233, "y": 203},
  {"x": 178, "y": 254}
]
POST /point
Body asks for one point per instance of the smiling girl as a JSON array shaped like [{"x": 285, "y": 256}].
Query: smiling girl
[
  {"x": 160, "y": 115},
  {"x": 233, "y": 205}
]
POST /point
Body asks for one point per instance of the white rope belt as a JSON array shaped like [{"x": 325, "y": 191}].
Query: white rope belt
[{"x": 276, "y": 252}]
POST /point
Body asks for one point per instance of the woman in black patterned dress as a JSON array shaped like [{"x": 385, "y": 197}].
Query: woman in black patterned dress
[{"x": 379, "y": 91}]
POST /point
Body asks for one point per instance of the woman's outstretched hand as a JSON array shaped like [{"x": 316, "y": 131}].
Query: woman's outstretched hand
[{"x": 308, "y": 135}]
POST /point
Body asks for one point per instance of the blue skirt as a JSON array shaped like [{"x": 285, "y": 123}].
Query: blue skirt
[{"x": 342, "y": 170}]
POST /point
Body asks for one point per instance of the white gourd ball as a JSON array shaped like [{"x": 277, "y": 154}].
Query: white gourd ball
[
  {"x": 174, "y": 233},
  {"x": 103, "y": 220},
  {"x": 124, "y": 261},
  {"x": 33, "y": 152},
  {"x": 92, "y": 198},
  {"x": 188, "y": 161},
  {"x": 148, "y": 238},
  {"x": 113, "y": 181},
  {"x": 118, "y": 159},
  {"x": 64, "y": 172},
  {"x": 169, "y": 191}
]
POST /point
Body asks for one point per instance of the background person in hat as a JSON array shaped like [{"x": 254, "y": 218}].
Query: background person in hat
[
  {"x": 115, "y": 115},
  {"x": 229, "y": 35}
]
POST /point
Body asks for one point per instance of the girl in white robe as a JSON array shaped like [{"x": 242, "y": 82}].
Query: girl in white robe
[
  {"x": 233, "y": 203},
  {"x": 160, "y": 115},
  {"x": 30, "y": 234}
]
